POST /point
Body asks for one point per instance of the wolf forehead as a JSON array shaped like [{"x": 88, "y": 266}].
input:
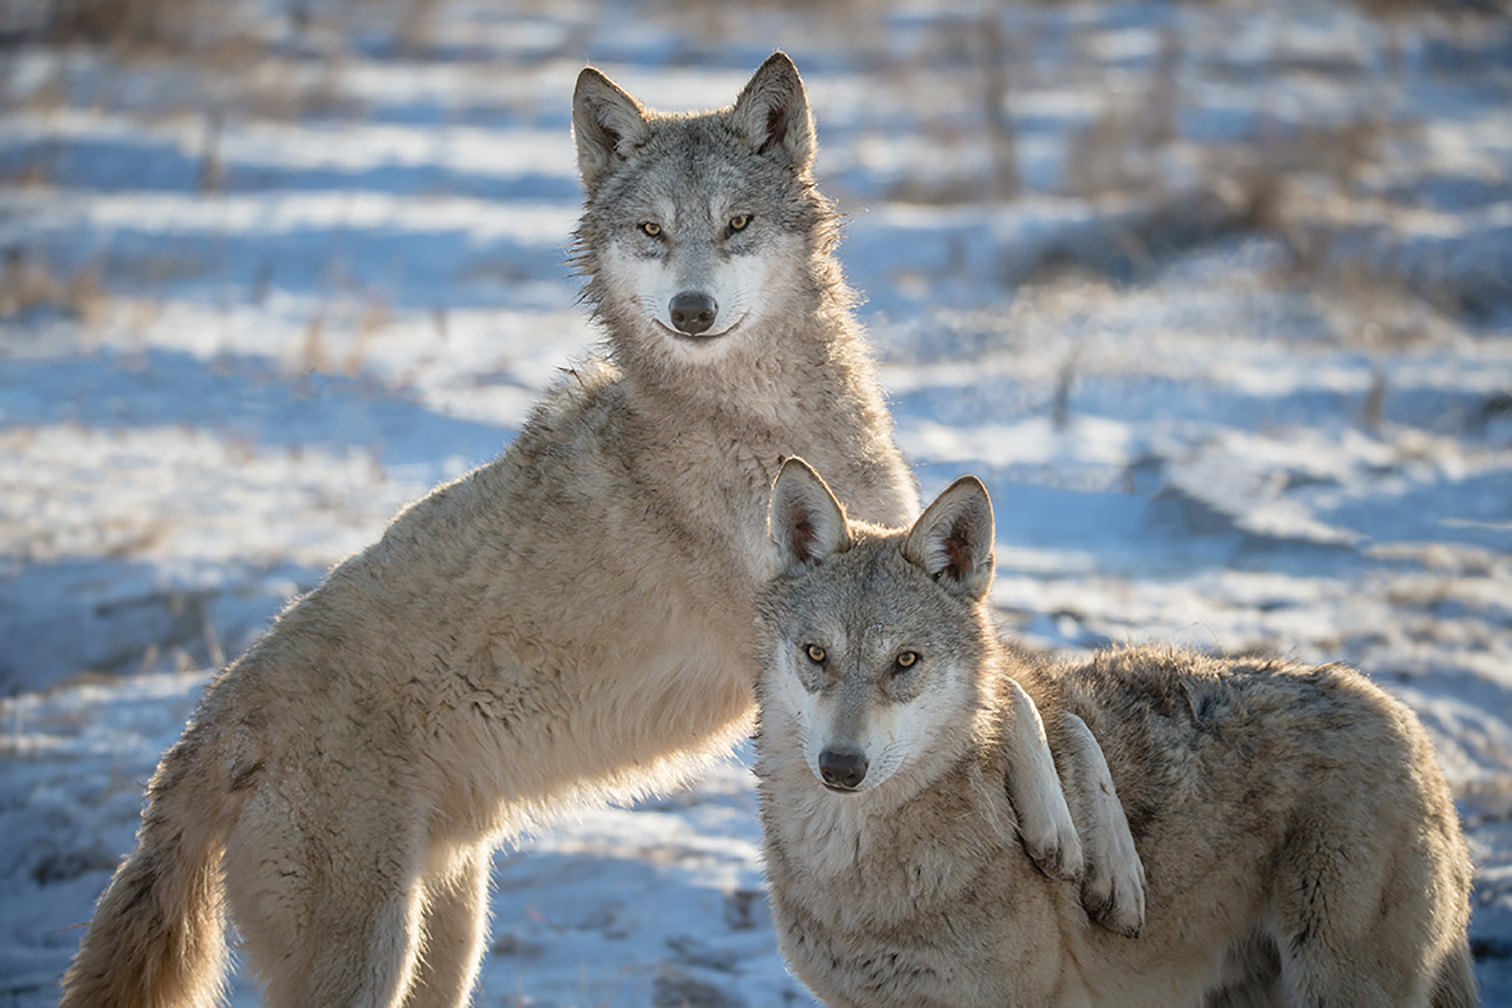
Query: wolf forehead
[
  {"x": 700, "y": 158},
  {"x": 870, "y": 593}
]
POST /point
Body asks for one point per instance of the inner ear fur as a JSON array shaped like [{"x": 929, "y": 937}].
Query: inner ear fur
[
  {"x": 606, "y": 124},
  {"x": 773, "y": 112},
  {"x": 805, "y": 522},
  {"x": 952, "y": 539}
]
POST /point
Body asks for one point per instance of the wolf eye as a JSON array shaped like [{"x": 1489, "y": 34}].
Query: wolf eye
[
  {"x": 739, "y": 222},
  {"x": 907, "y": 659},
  {"x": 816, "y": 654},
  {"x": 651, "y": 228}
]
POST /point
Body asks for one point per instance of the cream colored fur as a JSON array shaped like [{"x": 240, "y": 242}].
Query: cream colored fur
[
  {"x": 570, "y": 622},
  {"x": 1299, "y": 843}
]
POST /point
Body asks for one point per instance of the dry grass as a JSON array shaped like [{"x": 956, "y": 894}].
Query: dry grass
[
  {"x": 27, "y": 284},
  {"x": 166, "y": 27},
  {"x": 237, "y": 72},
  {"x": 1299, "y": 183},
  {"x": 1120, "y": 149},
  {"x": 339, "y": 333},
  {"x": 138, "y": 27},
  {"x": 1456, "y": 9}
]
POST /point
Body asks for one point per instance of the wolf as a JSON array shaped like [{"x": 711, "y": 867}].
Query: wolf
[
  {"x": 1300, "y": 842},
  {"x": 570, "y": 622}
]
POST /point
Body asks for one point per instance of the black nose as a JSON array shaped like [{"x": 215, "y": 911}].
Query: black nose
[
  {"x": 693, "y": 312},
  {"x": 842, "y": 770}
]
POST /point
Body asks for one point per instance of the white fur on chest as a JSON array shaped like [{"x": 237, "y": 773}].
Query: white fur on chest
[{"x": 891, "y": 863}]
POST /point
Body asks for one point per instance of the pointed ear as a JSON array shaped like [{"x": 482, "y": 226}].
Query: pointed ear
[
  {"x": 773, "y": 113},
  {"x": 606, "y": 124},
  {"x": 805, "y": 522},
  {"x": 952, "y": 540}
]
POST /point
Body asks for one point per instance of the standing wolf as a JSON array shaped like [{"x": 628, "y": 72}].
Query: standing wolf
[
  {"x": 572, "y": 621},
  {"x": 1301, "y": 844}
]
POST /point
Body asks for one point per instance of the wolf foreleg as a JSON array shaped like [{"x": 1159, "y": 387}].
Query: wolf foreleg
[
  {"x": 1114, "y": 881},
  {"x": 1034, "y": 788},
  {"x": 455, "y": 929}
]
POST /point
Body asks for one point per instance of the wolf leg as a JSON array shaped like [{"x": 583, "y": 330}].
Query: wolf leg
[
  {"x": 1113, "y": 883},
  {"x": 351, "y": 956},
  {"x": 1251, "y": 976},
  {"x": 1455, "y": 985},
  {"x": 327, "y": 917},
  {"x": 455, "y": 928},
  {"x": 1356, "y": 922},
  {"x": 1034, "y": 788}
]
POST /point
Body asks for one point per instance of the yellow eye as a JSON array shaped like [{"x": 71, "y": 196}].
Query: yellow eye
[
  {"x": 907, "y": 658},
  {"x": 816, "y": 654},
  {"x": 651, "y": 228},
  {"x": 739, "y": 222}
]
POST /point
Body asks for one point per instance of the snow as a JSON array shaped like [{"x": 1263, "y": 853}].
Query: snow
[{"x": 1235, "y": 362}]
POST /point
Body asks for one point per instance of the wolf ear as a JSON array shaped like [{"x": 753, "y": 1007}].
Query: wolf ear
[
  {"x": 606, "y": 124},
  {"x": 952, "y": 540},
  {"x": 805, "y": 522},
  {"x": 773, "y": 113}
]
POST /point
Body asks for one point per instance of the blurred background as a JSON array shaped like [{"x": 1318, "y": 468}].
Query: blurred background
[{"x": 1216, "y": 297}]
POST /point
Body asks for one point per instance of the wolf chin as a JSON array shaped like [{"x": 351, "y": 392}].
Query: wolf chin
[
  {"x": 1300, "y": 842},
  {"x": 570, "y": 622}
]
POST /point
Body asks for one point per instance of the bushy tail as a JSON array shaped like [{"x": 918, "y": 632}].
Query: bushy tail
[{"x": 158, "y": 935}]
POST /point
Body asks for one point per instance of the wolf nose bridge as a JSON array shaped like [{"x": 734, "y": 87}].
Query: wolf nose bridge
[
  {"x": 840, "y": 769},
  {"x": 693, "y": 312}
]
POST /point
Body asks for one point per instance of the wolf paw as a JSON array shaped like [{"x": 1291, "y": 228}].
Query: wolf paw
[
  {"x": 1053, "y": 846},
  {"x": 1117, "y": 900}
]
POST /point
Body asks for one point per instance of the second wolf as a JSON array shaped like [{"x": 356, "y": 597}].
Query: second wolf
[
  {"x": 571, "y": 621},
  {"x": 1300, "y": 843}
]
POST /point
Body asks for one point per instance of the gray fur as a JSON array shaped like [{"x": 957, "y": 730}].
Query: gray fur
[{"x": 1300, "y": 846}]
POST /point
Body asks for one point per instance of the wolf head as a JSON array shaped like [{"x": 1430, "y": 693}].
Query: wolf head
[
  {"x": 699, "y": 229},
  {"x": 873, "y": 640}
]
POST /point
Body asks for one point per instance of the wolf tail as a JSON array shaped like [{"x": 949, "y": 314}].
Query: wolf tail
[{"x": 158, "y": 935}]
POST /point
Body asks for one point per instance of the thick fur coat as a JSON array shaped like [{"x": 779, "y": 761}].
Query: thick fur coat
[
  {"x": 1299, "y": 842},
  {"x": 571, "y": 621}
]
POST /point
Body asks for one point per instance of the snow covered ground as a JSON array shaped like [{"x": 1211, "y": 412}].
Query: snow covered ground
[{"x": 1218, "y": 300}]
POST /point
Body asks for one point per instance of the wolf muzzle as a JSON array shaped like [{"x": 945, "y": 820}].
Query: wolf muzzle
[
  {"x": 693, "y": 312},
  {"x": 841, "y": 770}
]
